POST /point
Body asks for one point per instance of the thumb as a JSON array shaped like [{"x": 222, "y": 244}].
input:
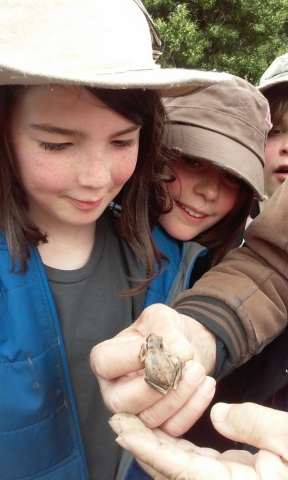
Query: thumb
[{"x": 262, "y": 427}]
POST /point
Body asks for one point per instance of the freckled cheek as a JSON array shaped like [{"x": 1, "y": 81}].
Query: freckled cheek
[
  {"x": 43, "y": 176},
  {"x": 123, "y": 169},
  {"x": 53, "y": 181}
]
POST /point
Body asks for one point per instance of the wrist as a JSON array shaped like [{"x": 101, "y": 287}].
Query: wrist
[{"x": 203, "y": 342}]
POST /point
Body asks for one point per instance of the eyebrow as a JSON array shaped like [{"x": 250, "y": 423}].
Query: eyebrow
[
  {"x": 47, "y": 127},
  {"x": 281, "y": 124}
]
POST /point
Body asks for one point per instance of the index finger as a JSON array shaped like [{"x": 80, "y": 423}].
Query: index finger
[{"x": 118, "y": 356}]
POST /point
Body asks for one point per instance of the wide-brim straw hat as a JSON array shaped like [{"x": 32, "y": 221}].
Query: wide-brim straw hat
[{"x": 102, "y": 43}]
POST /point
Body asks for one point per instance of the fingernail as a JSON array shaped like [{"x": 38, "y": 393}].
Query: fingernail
[
  {"x": 219, "y": 412},
  {"x": 115, "y": 425},
  {"x": 123, "y": 421},
  {"x": 208, "y": 386},
  {"x": 121, "y": 441}
]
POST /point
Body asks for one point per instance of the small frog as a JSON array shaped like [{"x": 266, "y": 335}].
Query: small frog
[{"x": 163, "y": 371}]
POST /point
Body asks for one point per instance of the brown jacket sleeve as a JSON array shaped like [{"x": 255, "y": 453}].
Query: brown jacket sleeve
[{"x": 244, "y": 299}]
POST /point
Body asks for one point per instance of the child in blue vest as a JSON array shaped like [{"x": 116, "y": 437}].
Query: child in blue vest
[{"x": 215, "y": 142}]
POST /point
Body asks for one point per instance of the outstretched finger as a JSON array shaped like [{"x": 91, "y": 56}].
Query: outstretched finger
[{"x": 256, "y": 425}]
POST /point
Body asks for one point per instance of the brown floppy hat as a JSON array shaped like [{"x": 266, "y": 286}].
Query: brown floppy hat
[{"x": 223, "y": 124}]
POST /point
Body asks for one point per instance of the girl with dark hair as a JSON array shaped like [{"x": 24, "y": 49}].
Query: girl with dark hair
[
  {"x": 65, "y": 155},
  {"x": 80, "y": 123}
]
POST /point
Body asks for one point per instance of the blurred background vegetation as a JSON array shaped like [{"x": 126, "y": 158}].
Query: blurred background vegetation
[{"x": 237, "y": 36}]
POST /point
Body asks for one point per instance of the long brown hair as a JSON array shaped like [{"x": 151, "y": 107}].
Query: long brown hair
[
  {"x": 220, "y": 238},
  {"x": 143, "y": 197}
]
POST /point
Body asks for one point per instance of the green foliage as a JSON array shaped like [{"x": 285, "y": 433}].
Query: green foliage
[{"x": 238, "y": 36}]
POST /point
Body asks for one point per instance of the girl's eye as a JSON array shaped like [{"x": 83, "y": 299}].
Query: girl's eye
[
  {"x": 231, "y": 179},
  {"x": 275, "y": 132},
  {"x": 190, "y": 163},
  {"x": 54, "y": 147},
  {"x": 124, "y": 143}
]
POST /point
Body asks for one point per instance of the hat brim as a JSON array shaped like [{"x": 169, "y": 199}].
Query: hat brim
[
  {"x": 270, "y": 83},
  {"x": 171, "y": 81},
  {"x": 218, "y": 149}
]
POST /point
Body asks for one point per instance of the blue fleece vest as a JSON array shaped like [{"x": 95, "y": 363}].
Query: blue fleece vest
[
  {"x": 175, "y": 277},
  {"x": 39, "y": 431}
]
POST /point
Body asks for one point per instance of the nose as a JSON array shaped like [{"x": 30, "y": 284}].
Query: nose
[
  {"x": 94, "y": 171},
  {"x": 209, "y": 185},
  {"x": 284, "y": 145}
]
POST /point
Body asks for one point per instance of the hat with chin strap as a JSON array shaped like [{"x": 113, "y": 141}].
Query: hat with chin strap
[
  {"x": 223, "y": 124},
  {"x": 102, "y": 43}
]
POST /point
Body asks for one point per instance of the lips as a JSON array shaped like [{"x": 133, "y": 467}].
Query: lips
[
  {"x": 282, "y": 169},
  {"x": 89, "y": 202},
  {"x": 282, "y": 172},
  {"x": 85, "y": 204},
  {"x": 191, "y": 212}
]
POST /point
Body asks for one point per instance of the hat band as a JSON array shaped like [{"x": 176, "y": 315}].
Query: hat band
[{"x": 158, "y": 43}]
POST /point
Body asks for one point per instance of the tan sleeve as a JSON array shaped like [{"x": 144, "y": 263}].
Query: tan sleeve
[{"x": 244, "y": 299}]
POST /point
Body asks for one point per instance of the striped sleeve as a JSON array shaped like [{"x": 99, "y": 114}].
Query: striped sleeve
[{"x": 222, "y": 321}]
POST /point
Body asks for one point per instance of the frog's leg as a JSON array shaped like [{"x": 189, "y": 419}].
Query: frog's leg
[
  {"x": 142, "y": 353},
  {"x": 156, "y": 387},
  {"x": 178, "y": 371}
]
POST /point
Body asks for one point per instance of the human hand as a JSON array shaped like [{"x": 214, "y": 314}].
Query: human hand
[
  {"x": 120, "y": 373},
  {"x": 164, "y": 457},
  {"x": 253, "y": 424}
]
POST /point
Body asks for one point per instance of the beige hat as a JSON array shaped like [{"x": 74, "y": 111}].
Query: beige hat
[
  {"x": 276, "y": 73},
  {"x": 224, "y": 124},
  {"x": 103, "y": 43}
]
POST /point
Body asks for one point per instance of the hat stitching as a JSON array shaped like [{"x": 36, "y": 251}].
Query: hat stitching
[
  {"x": 220, "y": 111},
  {"x": 221, "y": 151},
  {"x": 222, "y": 154}
]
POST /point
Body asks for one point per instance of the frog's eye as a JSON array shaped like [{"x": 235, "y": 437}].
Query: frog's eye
[{"x": 159, "y": 342}]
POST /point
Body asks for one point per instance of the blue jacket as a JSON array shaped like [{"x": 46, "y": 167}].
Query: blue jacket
[
  {"x": 176, "y": 276},
  {"x": 36, "y": 393}
]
